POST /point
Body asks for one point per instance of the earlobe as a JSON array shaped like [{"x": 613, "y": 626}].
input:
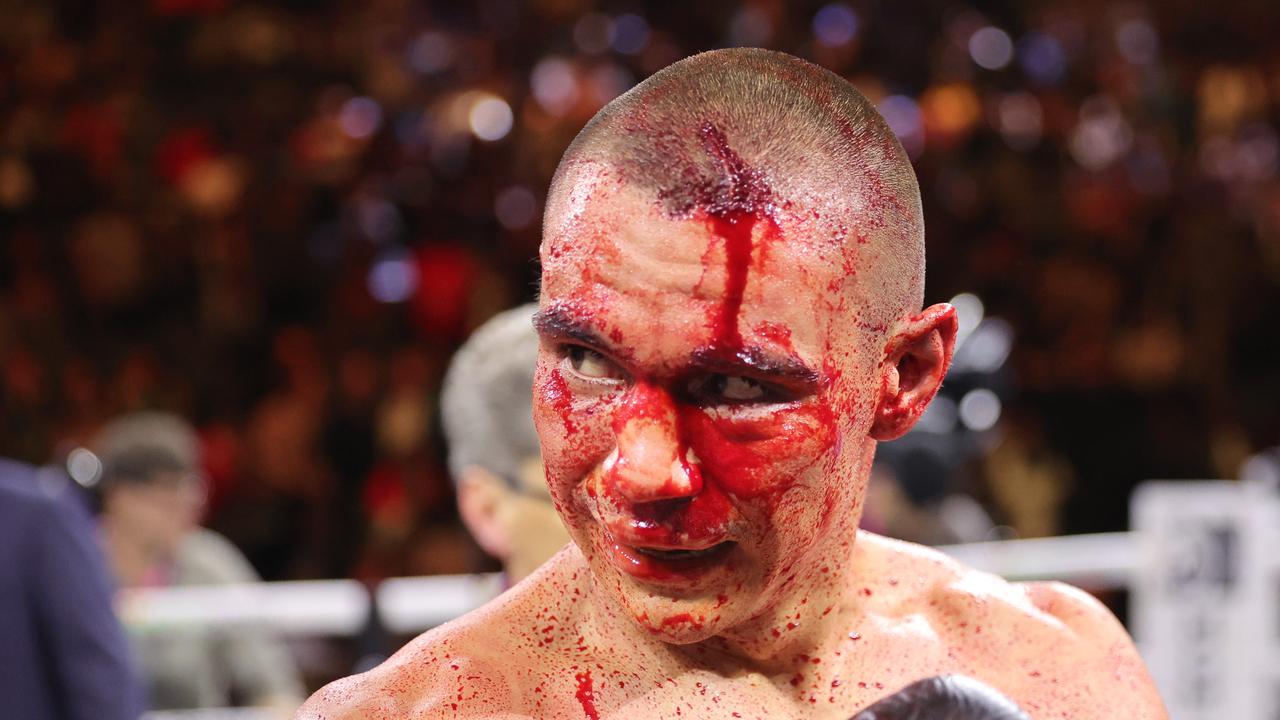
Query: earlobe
[
  {"x": 481, "y": 497},
  {"x": 916, "y": 361}
]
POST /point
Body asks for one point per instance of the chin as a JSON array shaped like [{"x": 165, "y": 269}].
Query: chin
[
  {"x": 675, "y": 620},
  {"x": 680, "y": 627}
]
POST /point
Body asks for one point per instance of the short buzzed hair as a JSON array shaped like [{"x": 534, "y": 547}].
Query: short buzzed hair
[
  {"x": 754, "y": 130},
  {"x": 487, "y": 402}
]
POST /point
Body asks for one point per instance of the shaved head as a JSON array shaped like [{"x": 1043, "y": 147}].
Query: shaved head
[{"x": 760, "y": 132}]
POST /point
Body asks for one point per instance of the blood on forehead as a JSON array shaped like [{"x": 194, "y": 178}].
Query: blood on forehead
[
  {"x": 709, "y": 180},
  {"x": 731, "y": 208}
]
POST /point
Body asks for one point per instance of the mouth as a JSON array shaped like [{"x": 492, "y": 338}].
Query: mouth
[
  {"x": 676, "y": 567},
  {"x": 682, "y": 554}
]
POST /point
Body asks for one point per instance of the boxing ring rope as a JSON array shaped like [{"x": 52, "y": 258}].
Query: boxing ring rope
[
  {"x": 412, "y": 604},
  {"x": 1100, "y": 561}
]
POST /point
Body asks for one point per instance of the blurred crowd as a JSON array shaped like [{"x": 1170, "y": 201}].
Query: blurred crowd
[{"x": 279, "y": 220}]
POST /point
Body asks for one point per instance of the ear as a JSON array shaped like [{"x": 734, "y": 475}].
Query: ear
[
  {"x": 481, "y": 499},
  {"x": 916, "y": 360}
]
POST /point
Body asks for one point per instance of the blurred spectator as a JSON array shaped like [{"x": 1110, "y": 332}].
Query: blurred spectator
[
  {"x": 911, "y": 496},
  {"x": 494, "y": 456},
  {"x": 151, "y": 492},
  {"x": 63, "y": 655}
]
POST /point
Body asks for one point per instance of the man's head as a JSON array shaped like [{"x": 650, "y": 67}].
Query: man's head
[
  {"x": 150, "y": 486},
  {"x": 493, "y": 449},
  {"x": 732, "y": 274}
]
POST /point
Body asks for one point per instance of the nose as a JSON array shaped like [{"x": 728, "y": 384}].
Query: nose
[{"x": 650, "y": 463}]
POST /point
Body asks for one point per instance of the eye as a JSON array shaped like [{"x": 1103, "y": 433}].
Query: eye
[
  {"x": 591, "y": 364},
  {"x": 734, "y": 388}
]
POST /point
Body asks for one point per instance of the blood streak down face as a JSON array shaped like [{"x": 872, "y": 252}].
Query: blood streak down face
[{"x": 704, "y": 393}]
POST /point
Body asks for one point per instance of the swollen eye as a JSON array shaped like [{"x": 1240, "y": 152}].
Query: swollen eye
[
  {"x": 591, "y": 364},
  {"x": 733, "y": 387}
]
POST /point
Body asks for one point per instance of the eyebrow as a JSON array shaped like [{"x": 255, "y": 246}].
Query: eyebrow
[
  {"x": 751, "y": 360},
  {"x": 557, "y": 322},
  {"x": 758, "y": 361}
]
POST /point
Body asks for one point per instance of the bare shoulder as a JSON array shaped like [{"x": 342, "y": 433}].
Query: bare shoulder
[
  {"x": 1047, "y": 644},
  {"x": 885, "y": 559},
  {"x": 438, "y": 674},
  {"x": 460, "y": 669},
  {"x": 1079, "y": 612},
  {"x": 934, "y": 583}
]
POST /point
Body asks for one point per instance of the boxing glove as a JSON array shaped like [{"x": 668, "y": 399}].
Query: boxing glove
[{"x": 946, "y": 697}]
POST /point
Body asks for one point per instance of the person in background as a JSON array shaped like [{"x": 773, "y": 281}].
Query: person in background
[
  {"x": 494, "y": 458},
  {"x": 151, "y": 494},
  {"x": 910, "y": 498},
  {"x": 63, "y": 655}
]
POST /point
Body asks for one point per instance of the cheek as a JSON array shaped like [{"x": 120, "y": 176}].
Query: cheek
[
  {"x": 574, "y": 431},
  {"x": 764, "y": 456}
]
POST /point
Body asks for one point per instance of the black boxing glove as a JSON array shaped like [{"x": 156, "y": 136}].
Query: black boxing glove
[{"x": 946, "y": 697}]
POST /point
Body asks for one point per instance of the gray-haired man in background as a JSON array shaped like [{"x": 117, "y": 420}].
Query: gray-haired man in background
[{"x": 494, "y": 457}]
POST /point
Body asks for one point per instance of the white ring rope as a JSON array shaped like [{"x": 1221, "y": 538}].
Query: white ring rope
[{"x": 413, "y": 604}]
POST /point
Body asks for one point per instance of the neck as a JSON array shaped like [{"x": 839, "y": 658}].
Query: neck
[
  {"x": 818, "y": 604},
  {"x": 815, "y": 615},
  {"x": 818, "y": 609}
]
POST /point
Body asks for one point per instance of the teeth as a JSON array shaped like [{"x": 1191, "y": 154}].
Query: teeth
[{"x": 676, "y": 554}]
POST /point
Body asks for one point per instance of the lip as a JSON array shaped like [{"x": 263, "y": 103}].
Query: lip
[
  {"x": 655, "y": 552},
  {"x": 670, "y": 564}
]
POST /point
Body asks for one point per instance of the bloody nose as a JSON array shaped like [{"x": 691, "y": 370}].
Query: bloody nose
[{"x": 650, "y": 463}]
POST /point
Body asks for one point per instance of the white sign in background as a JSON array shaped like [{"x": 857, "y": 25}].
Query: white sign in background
[{"x": 1206, "y": 598}]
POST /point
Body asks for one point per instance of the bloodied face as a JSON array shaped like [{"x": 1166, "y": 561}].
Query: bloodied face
[{"x": 705, "y": 387}]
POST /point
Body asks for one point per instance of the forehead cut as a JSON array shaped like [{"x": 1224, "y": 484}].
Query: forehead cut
[{"x": 760, "y": 132}]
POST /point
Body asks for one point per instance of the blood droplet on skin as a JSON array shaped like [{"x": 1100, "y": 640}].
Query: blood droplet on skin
[
  {"x": 586, "y": 695},
  {"x": 557, "y": 391}
]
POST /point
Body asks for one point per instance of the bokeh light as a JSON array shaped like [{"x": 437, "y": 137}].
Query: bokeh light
[
  {"x": 1137, "y": 41},
  {"x": 980, "y": 409},
  {"x": 1042, "y": 59},
  {"x": 991, "y": 48},
  {"x": 969, "y": 312},
  {"x": 607, "y": 82},
  {"x": 630, "y": 34},
  {"x": 360, "y": 117},
  {"x": 554, "y": 85},
  {"x": 1102, "y": 135},
  {"x": 516, "y": 207},
  {"x": 431, "y": 52},
  {"x": 84, "y": 467},
  {"x": 1020, "y": 120},
  {"x": 490, "y": 118},
  {"x": 835, "y": 24},
  {"x": 750, "y": 27},
  {"x": 379, "y": 219},
  {"x": 904, "y": 118},
  {"x": 393, "y": 276}
]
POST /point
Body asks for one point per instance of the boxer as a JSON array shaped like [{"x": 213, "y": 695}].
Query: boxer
[{"x": 730, "y": 320}]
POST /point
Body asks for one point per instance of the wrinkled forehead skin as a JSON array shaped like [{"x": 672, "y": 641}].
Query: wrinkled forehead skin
[
  {"x": 613, "y": 228},
  {"x": 816, "y": 269},
  {"x": 756, "y": 135}
]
